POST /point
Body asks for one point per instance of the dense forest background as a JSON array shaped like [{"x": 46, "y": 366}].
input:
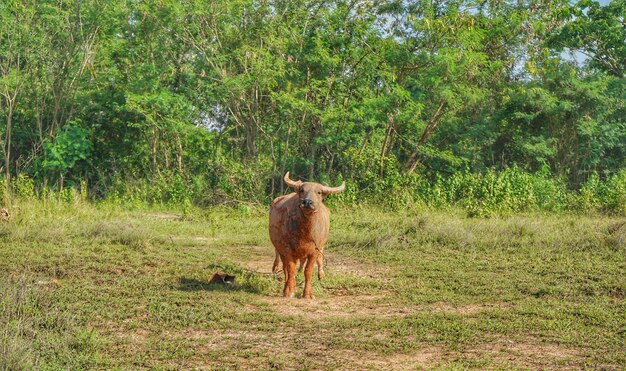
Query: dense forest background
[{"x": 492, "y": 105}]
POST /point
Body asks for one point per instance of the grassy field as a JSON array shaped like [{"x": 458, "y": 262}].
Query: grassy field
[{"x": 85, "y": 286}]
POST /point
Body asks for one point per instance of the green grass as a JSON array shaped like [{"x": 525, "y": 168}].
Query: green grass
[{"x": 85, "y": 286}]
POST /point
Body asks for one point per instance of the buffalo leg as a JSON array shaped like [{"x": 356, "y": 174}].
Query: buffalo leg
[
  {"x": 320, "y": 266},
  {"x": 289, "y": 266},
  {"x": 276, "y": 262},
  {"x": 308, "y": 274}
]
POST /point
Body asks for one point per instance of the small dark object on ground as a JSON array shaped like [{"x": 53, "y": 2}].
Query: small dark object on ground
[
  {"x": 222, "y": 279},
  {"x": 614, "y": 228}
]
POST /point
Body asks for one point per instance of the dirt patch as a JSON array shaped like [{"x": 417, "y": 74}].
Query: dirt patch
[
  {"x": 425, "y": 357},
  {"x": 54, "y": 282},
  {"x": 378, "y": 306},
  {"x": 139, "y": 336},
  {"x": 316, "y": 348},
  {"x": 260, "y": 258},
  {"x": 339, "y": 306},
  {"x": 347, "y": 265},
  {"x": 469, "y": 309},
  {"x": 194, "y": 239},
  {"x": 308, "y": 348},
  {"x": 528, "y": 352},
  {"x": 167, "y": 216},
  {"x": 257, "y": 259}
]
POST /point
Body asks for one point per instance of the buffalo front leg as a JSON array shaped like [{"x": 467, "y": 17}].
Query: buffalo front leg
[
  {"x": 308, "y": 281},
  {"x": 289, "y": 266}
]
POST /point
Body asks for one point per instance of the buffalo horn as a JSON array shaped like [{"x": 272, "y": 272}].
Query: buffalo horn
[
  {"x": 291, "y": 183},
  {"x": 327, "y": 189}
]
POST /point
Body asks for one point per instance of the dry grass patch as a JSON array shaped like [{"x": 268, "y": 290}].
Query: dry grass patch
[
  {"x": 345, "y": 306},
  {"x": 466, "y": 310},
  {"x": 527, "y": 352}
]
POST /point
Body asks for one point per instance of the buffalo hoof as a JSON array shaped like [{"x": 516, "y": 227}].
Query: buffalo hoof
[
  {"x": 321, "y": 275},
  {"x": 309, "y": 296},
  {"x": 292, "y": 295}
]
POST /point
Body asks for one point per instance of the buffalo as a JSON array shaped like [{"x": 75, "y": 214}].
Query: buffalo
[{"x": 299, "y": 224}]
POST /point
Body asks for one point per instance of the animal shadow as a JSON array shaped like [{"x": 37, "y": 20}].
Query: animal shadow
[
  {"x": 236, "y": 279},
  {"x": 241, "y": 284},
  {"x": 192, "y": 284}
]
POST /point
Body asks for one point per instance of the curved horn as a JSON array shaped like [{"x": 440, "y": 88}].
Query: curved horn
[
  {"x": 328, "y": 190},
  {"x": 291, "y": 183}
]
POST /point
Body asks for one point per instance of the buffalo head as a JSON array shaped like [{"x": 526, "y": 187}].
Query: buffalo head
[{"x": 311, "y": 194}]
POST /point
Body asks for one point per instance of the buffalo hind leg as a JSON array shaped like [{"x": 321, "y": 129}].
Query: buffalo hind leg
[
  {"x": 308, "y": 281},
  {"x": 320, "y": 267},
  {"x": 301, "y": 263},
  {"x": 276, "y": 262}
]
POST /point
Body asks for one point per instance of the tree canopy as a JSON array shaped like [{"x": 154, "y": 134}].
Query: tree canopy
[{"x": 225, "y": 96}]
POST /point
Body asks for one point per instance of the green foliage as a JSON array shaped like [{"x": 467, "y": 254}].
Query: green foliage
[
  {"x": 608, "y": 196},
  {"x": 599, "y": 32},
  {"x": 196, "y": 103},
  {"x": 508, "y": 191},
  {"x": 588, "y": 197},
  {"x": 5, "y": 197},
  {"x": 69, "y": 147},
  {"x": 24, "y": 187},
  {"x": 614, "y": 193}
]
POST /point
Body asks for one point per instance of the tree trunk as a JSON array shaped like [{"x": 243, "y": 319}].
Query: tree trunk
[
  {"x": 312, "y": 152},
  {"x": 412, "y": 162},
  {"x": 7, "y": 143}
]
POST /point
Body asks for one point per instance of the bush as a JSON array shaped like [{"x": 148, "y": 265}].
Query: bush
[
  {"x": 232, "y": 183},
  {"x": 23, "y": 186},
  {"x": 613, "y": 199}
]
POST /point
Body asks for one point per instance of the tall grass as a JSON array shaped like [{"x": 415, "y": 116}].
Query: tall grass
[
  {"x": 36, "y": 333},
  {"x": 479, "y": 194}
]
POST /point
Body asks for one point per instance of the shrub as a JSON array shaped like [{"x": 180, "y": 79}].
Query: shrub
[
  {"x": 614, "y": 195},
  {"x": 232, "y": 183},
  {"x": 23, "y": 186}
]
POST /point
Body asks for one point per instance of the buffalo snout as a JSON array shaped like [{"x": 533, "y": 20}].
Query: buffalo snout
[{"x": 307, "y": 202}]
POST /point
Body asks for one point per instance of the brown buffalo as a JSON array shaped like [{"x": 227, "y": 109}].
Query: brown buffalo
[{"x": 299, "y": 224}]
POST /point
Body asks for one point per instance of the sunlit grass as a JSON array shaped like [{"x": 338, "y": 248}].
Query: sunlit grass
[{"x": 108, "y": 287}]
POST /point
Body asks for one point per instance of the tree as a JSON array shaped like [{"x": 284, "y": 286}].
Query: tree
[
  {"x": 598, "y": 32},
  {"x": 16, "y": 50}
]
